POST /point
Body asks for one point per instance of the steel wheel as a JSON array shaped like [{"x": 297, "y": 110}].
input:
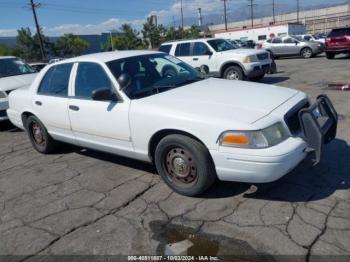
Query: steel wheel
[
  {"x": 38, "y": 134},
  {"x": 180, "y": 167}
]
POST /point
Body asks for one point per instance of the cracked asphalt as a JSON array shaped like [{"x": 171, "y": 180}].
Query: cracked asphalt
[{"x": 83, "y": 202}]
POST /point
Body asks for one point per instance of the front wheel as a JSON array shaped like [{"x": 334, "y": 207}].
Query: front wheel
[
  {"x": 185, "y": 165},
  {"x": 233, "y": 73},
  {"x": 306, "y": 53},
  {"x": 39, "y": 137}
]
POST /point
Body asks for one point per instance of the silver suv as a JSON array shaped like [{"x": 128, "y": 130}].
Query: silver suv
[{"x": 290, "y": 46}]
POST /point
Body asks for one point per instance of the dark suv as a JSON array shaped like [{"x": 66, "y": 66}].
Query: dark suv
[{"x": 338, "y": 42}]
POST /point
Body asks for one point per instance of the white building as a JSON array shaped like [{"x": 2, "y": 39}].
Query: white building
[{"x": 261, "y": 33}]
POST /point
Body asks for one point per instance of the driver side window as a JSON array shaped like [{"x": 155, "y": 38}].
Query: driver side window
[
  {"x": 90, "y": 76},
  {"x": 200, "y": 48}
]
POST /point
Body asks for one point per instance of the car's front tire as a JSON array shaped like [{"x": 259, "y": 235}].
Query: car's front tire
[
  {"x": 39, "y": 137},
  {"x": 185, "y": 165},
  {"x": 233, "y": 73},
  {"x": 306, "y": 53}
]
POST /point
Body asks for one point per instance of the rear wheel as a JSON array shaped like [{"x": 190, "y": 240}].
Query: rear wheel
[
  {"x": 306, "y": 52},
  {"x": 233, "y": 73},
  {"x": 39, "y": 136},
  {"x": 185, "y": 165},
  {"x": 330, "y": 56}
]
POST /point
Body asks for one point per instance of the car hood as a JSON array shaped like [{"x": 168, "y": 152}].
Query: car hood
[
  {"x": 222, "y": 100},
  {"x": 14, "y": 82},
  {"x": 243, "y": 51}
]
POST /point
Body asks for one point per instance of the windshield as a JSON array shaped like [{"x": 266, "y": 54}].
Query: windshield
[
  {"x": 152, "y": 74},
  {"x": 14, "y": 67},
  {"x": 220, "y": 45}
]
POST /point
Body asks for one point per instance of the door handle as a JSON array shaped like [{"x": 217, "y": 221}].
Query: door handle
[
  {"x": 195, "y": 59},
  {"x": 74, "y": 108},
  {"x": 38, "y": 103}
]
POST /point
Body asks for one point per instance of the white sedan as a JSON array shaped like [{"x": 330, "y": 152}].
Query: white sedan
[{"x": 195, "y": 130}]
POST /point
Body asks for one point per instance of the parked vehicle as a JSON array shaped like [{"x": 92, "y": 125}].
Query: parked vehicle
[
  {"x": 221, "y": 58},
  {"x": 309, "y": 38},
  {"x": 289, "y": 46},
  {"x": 248, "y": 44},
  {"x": 38, "y": 66},
  {"x": 194, "y": 130},
  {"x": 13, "y": 74},
  {"x": 338, "y": 42}
]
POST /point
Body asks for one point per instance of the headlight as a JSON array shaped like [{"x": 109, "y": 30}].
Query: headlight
[
  {"x": 2, "y": 94},
  {"x": 267, "y": 137},
  {"x": 250, "y": 59}
]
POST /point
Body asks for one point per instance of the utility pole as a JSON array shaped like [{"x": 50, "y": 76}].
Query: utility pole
[
  {"x": 111, "y": 38},
  {"x": 33, "y": 6},
  {"x": 200, "y": 17},
  {"x": 225, "y": 14},
  {"x": 273, "y": 11},
  {"x": 252, "y": 11},
  {"x": 182, "y": 21},
  {"x": 298, "y": 10}
]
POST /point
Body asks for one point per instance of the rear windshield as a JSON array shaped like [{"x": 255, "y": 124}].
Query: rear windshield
[{"x": 339, "y": 32}]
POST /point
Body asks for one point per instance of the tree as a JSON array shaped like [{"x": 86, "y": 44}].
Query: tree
[
  {"x": 28, "y": 46},
  {"x": 126, "y": 38},
  {"x": 5, "y": 50},
  {"x": 152, "y": 33},
  {"x": 70, "y": 45}
]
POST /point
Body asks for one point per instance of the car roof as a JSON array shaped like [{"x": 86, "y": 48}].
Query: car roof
[
  {"x": 189, "y": 40},
  {"x": 7, "y": 57},
  {"x": 107, "y": 56}
]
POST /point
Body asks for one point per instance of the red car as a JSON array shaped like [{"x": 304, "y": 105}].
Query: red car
[{"x": 338, "y": 42}]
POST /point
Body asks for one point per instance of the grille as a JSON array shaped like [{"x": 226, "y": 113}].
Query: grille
[
  {"x": 292, "y": 117},
  {"x": 3, "y": 113},
  {"x": 263, "y": 56}
]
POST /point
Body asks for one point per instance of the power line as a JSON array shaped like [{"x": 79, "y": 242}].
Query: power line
[{"x": 33, "y": 7}]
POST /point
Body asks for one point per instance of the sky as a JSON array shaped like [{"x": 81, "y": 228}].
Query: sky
[{"x": 97, "y": 16}]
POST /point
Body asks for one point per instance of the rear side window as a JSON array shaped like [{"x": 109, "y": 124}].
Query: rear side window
[
  {"x": 183, "y": 49},
  {"x": 288, "y": 41},
  {"x": 56, "y": 81},
  {"x": 339, "y": 32},
  {"x": 90, "y": 76},
  {"x": 165, "y": 48}
]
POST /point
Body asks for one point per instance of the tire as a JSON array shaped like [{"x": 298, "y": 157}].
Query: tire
[
  {"x": 306, "y": 53},
  {"x": 185, "y": 165},
  {"x": 330, "y": 55},
  {"x": 39, "y": 136},
  {"x": 233, "y": 73}
]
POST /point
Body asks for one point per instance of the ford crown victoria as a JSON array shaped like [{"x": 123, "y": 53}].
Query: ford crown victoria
[{"x": 194, "y": 130}]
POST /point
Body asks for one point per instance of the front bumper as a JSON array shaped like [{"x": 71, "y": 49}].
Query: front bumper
[
  {"x": 319, "y": 125},
  {"x": 258, "y": 69}
]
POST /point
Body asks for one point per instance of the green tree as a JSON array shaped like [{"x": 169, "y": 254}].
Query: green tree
[
  {"x": 152, "y": 34},
  {"x": 5, "y": 50},
  {"x": 70, "y": 45},
  {"x": 126, "y": 38},
  {"x": 192, "y": 32}
]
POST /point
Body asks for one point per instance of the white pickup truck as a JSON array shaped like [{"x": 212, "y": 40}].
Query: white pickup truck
[{"x": 221, "y": 58}]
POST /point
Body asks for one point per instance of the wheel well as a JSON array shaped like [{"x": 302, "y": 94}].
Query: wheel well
[
  {"x": 157, "y": 137},
  {"x": 225, "y": 66},
  {"x": 25, "y": 116}
]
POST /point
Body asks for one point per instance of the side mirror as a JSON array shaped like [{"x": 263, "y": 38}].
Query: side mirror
[
  {"x": 209, "y": 53},
  {"x": 103, "y": 94},
  {"x": 124, "y": 81}
]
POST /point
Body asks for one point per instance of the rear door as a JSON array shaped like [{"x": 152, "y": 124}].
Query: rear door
[
  {"x": 183, "y": 52},
  {"x": 51, "y": 102},
  {"x": 277, "y": 46}
]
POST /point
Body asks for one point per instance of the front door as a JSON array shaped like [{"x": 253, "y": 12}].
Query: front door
[
  {"x": 103, "y": 125},
  {"x": 203, "y": 56}
]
